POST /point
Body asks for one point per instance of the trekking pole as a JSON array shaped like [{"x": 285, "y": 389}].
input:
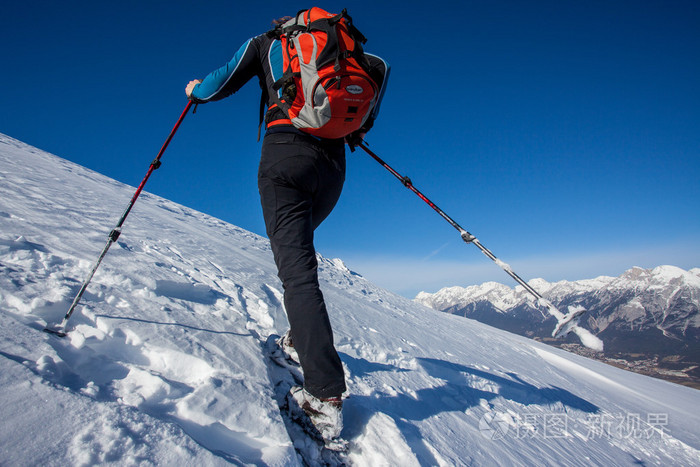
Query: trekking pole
[
  {"x": 566, "y": 322},
  {"x": 59, "y": 330}
]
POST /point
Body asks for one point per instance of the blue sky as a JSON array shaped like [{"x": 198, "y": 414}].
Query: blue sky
[{"x": 565, "y": 135}]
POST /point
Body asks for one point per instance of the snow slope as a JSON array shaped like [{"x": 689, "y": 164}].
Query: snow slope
[{"x": 163, "y": 364}]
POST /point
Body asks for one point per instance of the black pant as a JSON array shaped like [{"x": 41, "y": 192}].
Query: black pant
[{"x": 300, "y": 180}]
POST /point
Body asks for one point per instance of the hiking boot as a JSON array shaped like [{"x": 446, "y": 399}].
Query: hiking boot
[
  {"x": 326, "y": 414},
  {"x": 285, "y": 343}
]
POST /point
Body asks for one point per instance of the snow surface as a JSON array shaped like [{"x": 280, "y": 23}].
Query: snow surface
[{"x": 163, "y": 362}]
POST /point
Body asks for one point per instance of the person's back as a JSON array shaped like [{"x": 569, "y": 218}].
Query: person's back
[{"x": 300, "y": 179}]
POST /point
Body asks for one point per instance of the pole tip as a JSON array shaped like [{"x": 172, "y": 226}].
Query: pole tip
[{"x": 55, "y": 331}]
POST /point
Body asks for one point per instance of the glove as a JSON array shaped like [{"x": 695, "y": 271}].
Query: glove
[{"x": 355, "y": 138}]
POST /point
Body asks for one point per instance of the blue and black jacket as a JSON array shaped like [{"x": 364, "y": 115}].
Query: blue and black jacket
[{"x": 261, "y": 56}]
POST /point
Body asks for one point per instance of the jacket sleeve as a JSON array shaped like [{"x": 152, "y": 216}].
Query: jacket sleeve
[
  {"x": 229, "y": 78},
  {"x": 379, "y": 71}
]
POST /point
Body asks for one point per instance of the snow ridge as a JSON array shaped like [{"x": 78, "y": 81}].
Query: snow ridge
[{"x": 163, "y": 362}]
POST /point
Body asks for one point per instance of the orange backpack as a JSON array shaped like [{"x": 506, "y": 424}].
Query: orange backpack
[{"x": 326, "y": 90}]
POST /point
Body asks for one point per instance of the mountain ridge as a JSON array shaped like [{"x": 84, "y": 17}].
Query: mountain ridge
[{"x": 654, "y": 312}]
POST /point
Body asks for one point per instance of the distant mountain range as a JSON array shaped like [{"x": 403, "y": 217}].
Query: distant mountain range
[{"x": 645, "y": 311}]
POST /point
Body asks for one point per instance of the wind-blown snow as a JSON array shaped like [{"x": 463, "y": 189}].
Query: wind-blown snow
[{"x": 163, "y": 362}]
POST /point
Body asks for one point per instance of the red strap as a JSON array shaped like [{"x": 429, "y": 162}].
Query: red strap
[{"x": 281, "y": 121}]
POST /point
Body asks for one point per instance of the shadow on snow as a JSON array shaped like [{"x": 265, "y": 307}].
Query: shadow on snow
[{"x": 462, "y": 388}]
